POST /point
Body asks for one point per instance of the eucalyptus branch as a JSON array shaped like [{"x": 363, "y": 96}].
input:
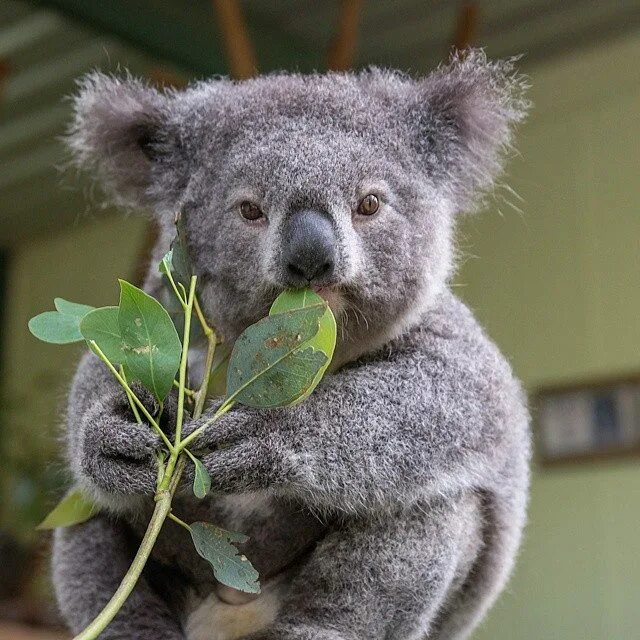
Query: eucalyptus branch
[
  {"x": 183, "y": 361},
  {"x": 293, "y": 351},
  {"x": 162, "y": 509}
]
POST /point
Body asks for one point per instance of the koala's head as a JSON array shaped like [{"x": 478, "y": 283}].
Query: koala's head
[{"x": 349, "y": 183}]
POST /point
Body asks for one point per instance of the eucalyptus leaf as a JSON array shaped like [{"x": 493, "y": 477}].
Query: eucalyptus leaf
[
  {"x": 56, "y": 328},
  {"x": 74, "y": 508},
  {"x": 72, "y": 308},
  {"x": 229, "y": 566},
  {"x": 219, "y": 371},
  {"x": 165, "y": 263},
  {"x": 101, "y": 325},
  {"x": 325, "y": 339},
  {"x": 272, "y": 363},
  {"x": 179, "y": 253},
  {"x": 151, "y": 344},
  {"x": 201, "y": 479}
]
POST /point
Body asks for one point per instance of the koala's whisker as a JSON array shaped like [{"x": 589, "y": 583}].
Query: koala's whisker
[
  {"x": 352, "y": 310},
  {"x": 512, "y": 191},
  {"x": 360, "y": 314}
]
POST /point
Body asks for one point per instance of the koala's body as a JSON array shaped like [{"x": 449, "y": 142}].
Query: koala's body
[{"x": 389, "y": 504}]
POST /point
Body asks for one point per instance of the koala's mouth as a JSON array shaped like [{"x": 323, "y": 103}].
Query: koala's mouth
[{"x": 332, "y": 295}]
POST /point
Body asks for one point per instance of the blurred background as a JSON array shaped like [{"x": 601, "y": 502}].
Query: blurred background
[{"x": 551, "y": 267}]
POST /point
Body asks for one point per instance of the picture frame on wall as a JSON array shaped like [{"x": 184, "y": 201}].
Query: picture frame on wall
[{"x": 588, "y": 421}]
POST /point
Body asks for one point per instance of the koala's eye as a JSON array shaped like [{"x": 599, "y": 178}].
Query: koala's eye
[
  {"x": 250, "y": 211},
  {"x": 368, "y": 205}
]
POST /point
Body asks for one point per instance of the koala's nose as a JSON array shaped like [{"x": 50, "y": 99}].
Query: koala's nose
[{"x": 309, "y": 248}]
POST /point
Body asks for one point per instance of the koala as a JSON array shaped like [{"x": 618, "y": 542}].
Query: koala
[{"x": 389, "y": 504}]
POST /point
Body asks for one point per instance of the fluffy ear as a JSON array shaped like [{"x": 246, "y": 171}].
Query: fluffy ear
[
  {"x": 463, "y": 121},
  {"x": 123, "y": 134}
]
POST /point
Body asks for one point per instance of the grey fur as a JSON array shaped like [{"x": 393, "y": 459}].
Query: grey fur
[{"x": 390, "y": 504}]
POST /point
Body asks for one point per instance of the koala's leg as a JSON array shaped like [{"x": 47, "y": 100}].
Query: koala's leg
[
  {"x": 387, "y": 579},
  {"x": 486, "y": 579},
  {"x": 89, "y": 561}
]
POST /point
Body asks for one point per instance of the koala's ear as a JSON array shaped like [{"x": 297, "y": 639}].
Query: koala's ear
[
  {"x": 463, "y": 121},
  {"x": 122, "y": 133}
]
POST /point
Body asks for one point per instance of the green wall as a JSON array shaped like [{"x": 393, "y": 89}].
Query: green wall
[
  {"x": 80, "y": 263},
  {"x": 557, "y": 284}
]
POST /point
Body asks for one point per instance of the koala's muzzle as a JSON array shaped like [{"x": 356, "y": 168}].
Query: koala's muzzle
[{"x": 309, "y": 249}]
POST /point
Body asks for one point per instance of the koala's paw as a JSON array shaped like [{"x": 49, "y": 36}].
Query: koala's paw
[
  {"x": 244, "y": 451},
  {"x": 118, "y": 455}
]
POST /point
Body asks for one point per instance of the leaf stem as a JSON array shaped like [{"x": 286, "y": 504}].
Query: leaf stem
[
  {"x": 181, "y": 298},
  {"x": 183, "y": 360},
  {"x": 177, "y": 520},
  {"x": 135, "y": 398},
  {"x": 207, "y": 329},
  {"x": 188, "y": 392}
]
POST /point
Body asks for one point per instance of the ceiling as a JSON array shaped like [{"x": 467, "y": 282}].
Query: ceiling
[{"x": 45, "y": 45}]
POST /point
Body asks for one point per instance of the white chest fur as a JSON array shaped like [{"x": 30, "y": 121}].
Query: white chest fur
[{"x": 214, "y": 619}]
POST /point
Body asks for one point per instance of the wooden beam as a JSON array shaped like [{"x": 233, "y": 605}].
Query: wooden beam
[
  {"x": 239, "y": 52},
  {"x": 32, "y": 163},
  {"x": 165, "y": 78},
  {"x": 343, "y": 51},
  {"x": 467, "y": 26},
  {"x": 19, "y": 132},
  {"x": 28, "y": 31},
  {"x": 52, "y": 71}
]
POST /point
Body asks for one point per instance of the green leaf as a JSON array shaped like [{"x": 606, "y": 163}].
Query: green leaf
[
  {"x": 176, "y": 260},
  {"x": 201, "y": 479},
  {"x": 180, "y": 255},
  {"x": 61, "y": 326},
  {"x": 165, "y": 263},
  {"x": 219, "y": 371},
  {"x": 56, "y": 328},
  {"x": 325, "y": 339},
  {"x": 151, "y": 344},
  {"x": 229, "y": 567},
  {"x": 101, "y": 325},
  {"x": 72, "y": 308},
  {"x": 272, "y": 363},
  {"x": 74, "y": 508}
]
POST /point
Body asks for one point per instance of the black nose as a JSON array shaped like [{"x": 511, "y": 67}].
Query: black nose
[{"x": 309, "y": 248}]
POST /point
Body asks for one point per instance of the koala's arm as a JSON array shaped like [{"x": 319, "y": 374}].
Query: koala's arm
[
  {"x": 438, "y": 411},
  {"x": 110, "y": 455}
]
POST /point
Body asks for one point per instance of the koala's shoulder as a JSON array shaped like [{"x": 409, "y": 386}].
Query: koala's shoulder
[{"x": 448, "y": 343}]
